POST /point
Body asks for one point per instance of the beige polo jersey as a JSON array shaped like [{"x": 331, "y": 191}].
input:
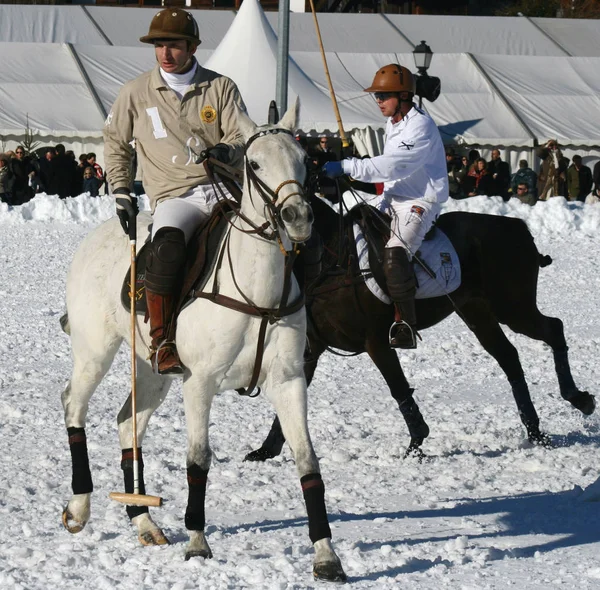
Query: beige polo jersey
[{"x": 170, "y": 133}]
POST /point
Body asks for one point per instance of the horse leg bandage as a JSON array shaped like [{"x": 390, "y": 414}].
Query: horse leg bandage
[
  {"x": 194, "y": 514},
  {"x": 313, "y": 490},
  {"x": 82, "y": 477},
  {"x": 127, "y": 467}
]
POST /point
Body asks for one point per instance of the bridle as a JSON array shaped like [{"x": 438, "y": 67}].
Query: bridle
[
  {"x": 270, "y": 231},
  {"x": 269, "y": 197}
]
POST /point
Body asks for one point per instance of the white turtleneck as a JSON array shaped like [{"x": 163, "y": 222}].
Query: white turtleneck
[{"x": 179, "y": 83}]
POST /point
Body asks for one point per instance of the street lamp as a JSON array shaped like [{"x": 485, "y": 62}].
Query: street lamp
[
  {"x": 426, "y": 85},
  {"x": 422, "y": 54}
]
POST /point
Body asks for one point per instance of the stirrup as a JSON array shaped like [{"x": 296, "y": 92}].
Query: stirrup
[
  {"x": 176, "y": 369},
  {"x": 403, "y": 335}
]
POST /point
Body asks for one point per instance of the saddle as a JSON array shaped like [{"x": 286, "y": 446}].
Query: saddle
[
  {"x": 201, "y": 259},
  {"x": 436, "y": 264}
]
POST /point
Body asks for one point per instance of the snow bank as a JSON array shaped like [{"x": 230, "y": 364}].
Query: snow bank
[{"x": 551, "y": 218}]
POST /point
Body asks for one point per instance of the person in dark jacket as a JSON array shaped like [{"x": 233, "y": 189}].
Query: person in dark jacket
[
  {"x": 524, "y": 174},
  {"x": 479, "y": 181},
  {"x": 500, "y": 173},
  {"x": 47, "y": 172},
  {"x": 7, "y": 180},
  {"x": 91, "y": 184},
  {"x": 453, "y": 166},
  {"x": 579, "y": 180},
  {"x": 596, "y": 178},
  {"x": 21, "y": 167}
]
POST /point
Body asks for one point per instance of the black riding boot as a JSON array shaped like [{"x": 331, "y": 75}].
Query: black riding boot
[
  {"x": 163, "y": 275},
  {"x": 401, "y": 284}
]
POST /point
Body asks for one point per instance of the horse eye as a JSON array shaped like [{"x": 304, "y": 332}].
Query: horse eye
[{"x": 254, "y": 165}]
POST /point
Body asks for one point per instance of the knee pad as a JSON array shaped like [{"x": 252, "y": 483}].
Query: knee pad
[{"x": 165, "y": 261}]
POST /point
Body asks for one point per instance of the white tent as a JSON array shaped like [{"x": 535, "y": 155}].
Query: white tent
[
  {"x": 506, "y": 82},
  {"x": 248, "y": 55}
]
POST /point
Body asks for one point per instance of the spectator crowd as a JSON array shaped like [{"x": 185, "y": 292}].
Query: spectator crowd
[
  {"x": 56, "y": 172},
  {"x": 471, "y": 175}
]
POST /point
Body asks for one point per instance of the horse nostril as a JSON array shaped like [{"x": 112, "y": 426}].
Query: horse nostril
[{"x": 288, "y": 214}]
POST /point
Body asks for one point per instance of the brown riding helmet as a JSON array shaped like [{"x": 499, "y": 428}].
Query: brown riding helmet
[
  {"x": 172, "y": 23},
  {"x": 393, "y": 78}
]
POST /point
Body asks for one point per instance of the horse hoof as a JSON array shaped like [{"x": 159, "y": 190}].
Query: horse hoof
[
  {"x": 154, "y": 537},
  {"x": 414, "y": 450},
  {"x": 584, "y": 402},
  {"x": 329, "y": 572},
  {"x": 205, "y": 553},
  {"x": 540, "y": 439},
  {"x": 71, "y": 523},
  {"x": 259, "y": 455}
]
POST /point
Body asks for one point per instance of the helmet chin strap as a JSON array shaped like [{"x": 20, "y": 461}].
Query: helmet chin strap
[{"x": 401, "y": 101}]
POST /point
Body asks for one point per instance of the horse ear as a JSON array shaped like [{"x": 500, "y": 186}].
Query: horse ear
[
  {"x": 246, "y": 126},
  {"x": 290, "y": 119}
]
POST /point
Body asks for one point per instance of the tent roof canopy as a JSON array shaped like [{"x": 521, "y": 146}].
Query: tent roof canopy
[{"x": 66, "y": 75}]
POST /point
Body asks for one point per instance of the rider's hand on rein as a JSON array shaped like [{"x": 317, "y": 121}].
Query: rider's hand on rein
[{"x": 219, "y": 152}]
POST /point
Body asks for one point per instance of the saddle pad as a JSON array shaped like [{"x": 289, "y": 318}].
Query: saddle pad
[
  {"x": 437, "y": 252},
  {"x": 201, "y": 259}
]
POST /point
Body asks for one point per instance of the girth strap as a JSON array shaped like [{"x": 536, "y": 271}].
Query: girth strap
[{"x": 269, "y": 316}]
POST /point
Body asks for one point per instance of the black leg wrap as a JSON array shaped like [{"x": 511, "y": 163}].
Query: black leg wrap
[
  {"x": 527, "y": 412},
  {"x": 194, "y": 514},
  {"x": 81, "y": 482},
  {"x": 568, "y": 389},
  {"x": 313, "y": 490},
  {"x": 127, "y": 467},
  {"x": 417, "y": 427}
]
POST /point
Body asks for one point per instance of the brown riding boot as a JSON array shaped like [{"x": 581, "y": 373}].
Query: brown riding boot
[
  {"x": 401, "y": 284},
  {"x": 163, "y": 354}
]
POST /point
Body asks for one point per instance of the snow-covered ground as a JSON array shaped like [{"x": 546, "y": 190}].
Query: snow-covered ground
[{"x": 486, "y": 510}]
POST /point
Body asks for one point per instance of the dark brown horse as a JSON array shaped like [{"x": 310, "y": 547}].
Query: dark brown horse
[{"x": 500, "y": 265}]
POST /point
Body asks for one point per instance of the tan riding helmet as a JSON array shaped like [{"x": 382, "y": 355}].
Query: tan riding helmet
[
  {"x": 393, "y": 78},
  {"x": 172, "y": 23}
]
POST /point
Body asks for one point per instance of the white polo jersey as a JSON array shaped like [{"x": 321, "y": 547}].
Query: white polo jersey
[{"x": 413, "y": 163}]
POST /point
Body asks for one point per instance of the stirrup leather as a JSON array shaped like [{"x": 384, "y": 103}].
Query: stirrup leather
[{"x": 403, "y": 335}]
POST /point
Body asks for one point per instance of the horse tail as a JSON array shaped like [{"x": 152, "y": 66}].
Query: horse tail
[
  {"x": 64, "y": 324},
  {"x": 545, "y": 260}
]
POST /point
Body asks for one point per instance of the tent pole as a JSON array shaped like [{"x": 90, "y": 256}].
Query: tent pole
[
  {"x": 283, "y": 50},
  {"x": 345, "y": 142}
]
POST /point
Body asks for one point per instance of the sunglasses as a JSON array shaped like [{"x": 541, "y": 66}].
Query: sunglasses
[
  {"x": 382, "y": 96},
  {"x": 323, "y": 141},
  {"x": 18, "y": 152}
]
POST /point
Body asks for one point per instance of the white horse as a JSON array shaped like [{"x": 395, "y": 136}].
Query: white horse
[{"x": 217, "y": 345}]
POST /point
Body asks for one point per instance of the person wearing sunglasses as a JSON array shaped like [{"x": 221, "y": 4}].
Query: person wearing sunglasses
[
  {"x": 22, "y": 168},
  {"x": 412, "y": 169}
]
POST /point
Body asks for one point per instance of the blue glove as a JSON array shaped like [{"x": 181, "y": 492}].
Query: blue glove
[{"x": 333, "y": 169}]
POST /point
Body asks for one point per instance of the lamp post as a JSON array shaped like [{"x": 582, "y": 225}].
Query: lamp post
[{"x": 422, "y": 55}]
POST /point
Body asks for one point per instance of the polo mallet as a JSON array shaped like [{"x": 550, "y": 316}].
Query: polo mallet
[
  {"x": 135, "y": 499},
  {"x": 345, "y": 142}
]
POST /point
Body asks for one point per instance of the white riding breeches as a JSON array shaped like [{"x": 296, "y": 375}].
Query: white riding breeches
[
  {"x": 411, "y": 220},
  {"x": 188, "y": 211}
]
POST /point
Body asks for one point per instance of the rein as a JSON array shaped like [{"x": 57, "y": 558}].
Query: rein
[{"x": 268, "y": 231}]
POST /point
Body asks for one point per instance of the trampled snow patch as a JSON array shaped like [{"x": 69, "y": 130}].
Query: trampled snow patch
[{"x": 483, "y": 511}]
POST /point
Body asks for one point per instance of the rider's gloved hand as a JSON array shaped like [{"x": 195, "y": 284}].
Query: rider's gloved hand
[
  {"x": 218, "y": 152},
  {"x": 127, "y": 208},
  {"x": 333, "y": 169}
]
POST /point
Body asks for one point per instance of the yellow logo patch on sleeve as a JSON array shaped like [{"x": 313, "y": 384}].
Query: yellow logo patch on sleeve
[{"x": 208, "y": 114}]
